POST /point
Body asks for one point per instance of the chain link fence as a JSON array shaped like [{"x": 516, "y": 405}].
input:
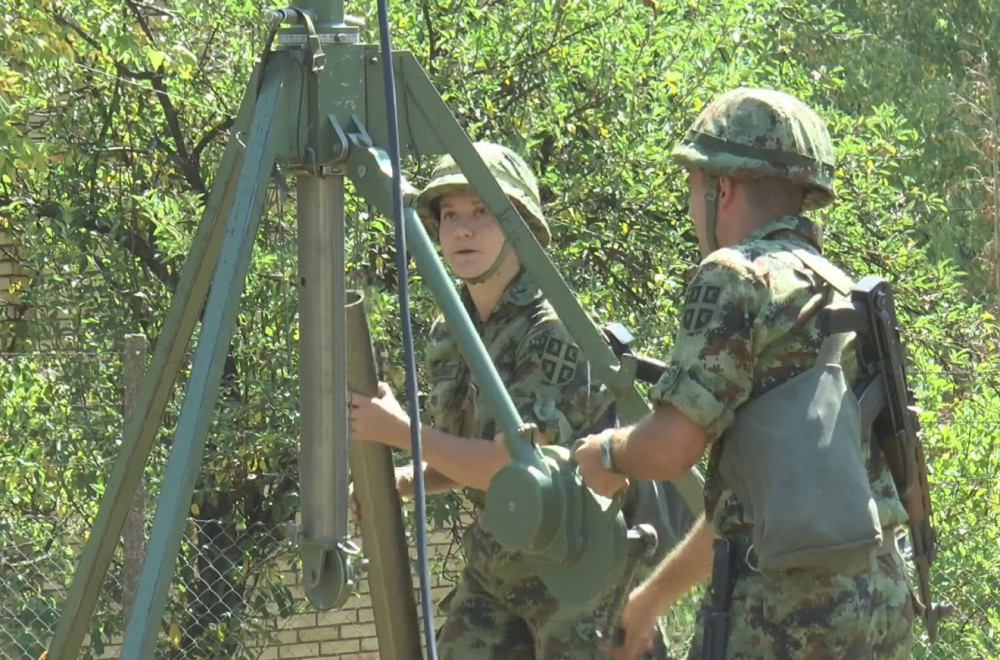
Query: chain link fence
[
  {"x": 233, "y": 603},
  {"x": 221, "y": 604},
  {"x": 236, "y": 590}
]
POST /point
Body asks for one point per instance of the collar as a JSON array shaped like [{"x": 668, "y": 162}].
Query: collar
[
  {"x": 807, "y": 229},
  {"x": 520, "y": 292}
]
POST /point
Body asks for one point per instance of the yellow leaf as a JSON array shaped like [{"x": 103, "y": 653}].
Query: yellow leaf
[
  {"x": 195, "y": 509},
  {"x": 175, "y": 634},
  {"x": 157, "y": 58}
]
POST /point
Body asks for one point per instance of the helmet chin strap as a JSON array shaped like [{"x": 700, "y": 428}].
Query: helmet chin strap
[
  {"x": 712, "y": 192},
  {"x": 492, "y": 270}
]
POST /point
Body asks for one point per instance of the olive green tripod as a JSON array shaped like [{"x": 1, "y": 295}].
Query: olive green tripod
[{"x": 315, "y": 107}]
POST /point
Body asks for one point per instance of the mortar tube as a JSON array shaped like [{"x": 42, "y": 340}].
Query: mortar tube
[{"x": 382, "y": 532}]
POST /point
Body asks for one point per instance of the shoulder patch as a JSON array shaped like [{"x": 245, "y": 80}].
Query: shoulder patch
[
  {"x": 559, "y": 360},
  {"x": 700, "y": 306}
]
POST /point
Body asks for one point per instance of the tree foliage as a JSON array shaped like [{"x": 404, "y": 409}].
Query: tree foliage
[{"x": 112, "y": 121}]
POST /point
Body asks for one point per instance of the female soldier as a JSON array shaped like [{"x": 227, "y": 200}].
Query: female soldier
[{"x": 499, "y": 609}]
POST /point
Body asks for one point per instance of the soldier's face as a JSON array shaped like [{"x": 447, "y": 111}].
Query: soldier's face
[{"x": 471, "y": 239}]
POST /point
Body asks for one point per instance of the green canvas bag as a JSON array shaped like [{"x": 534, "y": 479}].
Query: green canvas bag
[{"x": 794, "y": 460}]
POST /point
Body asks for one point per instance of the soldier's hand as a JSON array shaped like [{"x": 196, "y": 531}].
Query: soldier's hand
[
  {"x": 404, "y": 481},
  {"x": 352, "y": 501},
  {"x": 380, "y": 418},
  {"x": 638, "y": 622},
  {"x": 594, "y": 474}
]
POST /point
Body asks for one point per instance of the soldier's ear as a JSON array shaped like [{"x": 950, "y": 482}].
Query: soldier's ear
[
  {"x": 727, "y": 191},
  {"x": 726, "y": 186}
]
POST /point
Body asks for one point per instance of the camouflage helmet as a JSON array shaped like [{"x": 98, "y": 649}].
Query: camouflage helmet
[
  {"x": 751, "y": 133},
  {"x": 510, "y": 171}
]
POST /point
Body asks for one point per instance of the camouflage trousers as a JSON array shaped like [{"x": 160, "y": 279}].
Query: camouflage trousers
[
  {"x": 523, "y": 622},
  {"x": 805, "y": 614}
]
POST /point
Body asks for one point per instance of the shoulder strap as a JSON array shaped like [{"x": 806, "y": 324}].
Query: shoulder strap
[
  {"x": 832, "y": 348},
  {"x": 827, "y": 271}
]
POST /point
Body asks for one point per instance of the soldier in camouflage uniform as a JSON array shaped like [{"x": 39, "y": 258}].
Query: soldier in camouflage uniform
[
  {"x": 499, "y": 609},
  {"x": 755, "y": 159}
]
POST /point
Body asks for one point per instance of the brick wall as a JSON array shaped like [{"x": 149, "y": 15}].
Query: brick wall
[
  {"x": 349, "y": 633},
  {"x": 10, "y": 272}
]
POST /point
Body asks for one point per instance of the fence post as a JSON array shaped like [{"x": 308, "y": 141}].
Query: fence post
[{"x": 134, "y": 532}]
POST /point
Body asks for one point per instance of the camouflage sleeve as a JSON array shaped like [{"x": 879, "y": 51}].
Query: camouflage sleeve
[
  {"x": 710, "y": 370},
  {"x": 447, "y": 381},
  {"x": 550, "y": 384}
]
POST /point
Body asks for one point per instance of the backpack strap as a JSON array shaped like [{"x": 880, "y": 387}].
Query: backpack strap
[
  {"x": 832, "y": 348},
  {"x": 826, "y": 271},
  {"x": 833, "y": 345}
]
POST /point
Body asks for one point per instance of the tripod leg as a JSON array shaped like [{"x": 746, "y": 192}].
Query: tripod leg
[
  {"x": 213, "y": 343},
  {"x": 144, "y": 423}
]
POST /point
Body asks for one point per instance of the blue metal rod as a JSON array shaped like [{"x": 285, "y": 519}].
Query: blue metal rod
[{"x": 404, "y": 313}]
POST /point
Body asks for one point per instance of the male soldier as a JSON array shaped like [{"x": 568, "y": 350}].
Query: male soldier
[
  {"x": 500, "y": 608},
  {"x": 750, "y": 323}
]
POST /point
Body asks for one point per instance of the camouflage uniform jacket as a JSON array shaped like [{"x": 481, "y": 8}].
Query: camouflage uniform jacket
[
  {"x": 750, "y": 322},
  {"x": 546, "y": 375}
]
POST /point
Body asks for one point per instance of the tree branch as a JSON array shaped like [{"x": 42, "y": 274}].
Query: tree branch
[
  {"x": 432, "y": 46},
  {"x": 102, "y": 135},
  {"x": 143, "y": 23},
  {"x": 188, "y": 166},
  {"x": 146, "y": 252},
  {"x": 120, "y": 68},
  {"x": 210, "y": 135},
  {"x": 140, "y": 313}
]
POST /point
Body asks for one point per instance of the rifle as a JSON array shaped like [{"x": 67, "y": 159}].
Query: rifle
[
  {"x": 647, "y": 369},
  {"x": 726, "y": 557},
  {"x": 888, "y": 408}
]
